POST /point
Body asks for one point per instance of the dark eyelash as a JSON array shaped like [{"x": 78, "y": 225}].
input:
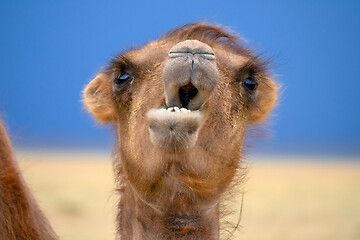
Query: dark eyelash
[{"x": 120, "y": 65}]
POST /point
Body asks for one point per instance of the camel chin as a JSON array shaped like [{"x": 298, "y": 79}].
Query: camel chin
[{"x": 174, "y": 129}]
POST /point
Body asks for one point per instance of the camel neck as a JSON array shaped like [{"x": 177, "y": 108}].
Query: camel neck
[
  {"x": 20, "y": 215},
  {"x": 139, "y": 221}
]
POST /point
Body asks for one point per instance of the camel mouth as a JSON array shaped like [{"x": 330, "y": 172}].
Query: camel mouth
[
  {"x": 174, "y": 128},
  {"x": 186, "y": 94}
]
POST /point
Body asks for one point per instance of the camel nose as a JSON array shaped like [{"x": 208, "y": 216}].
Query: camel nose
[
  {"x": 192, "y": 47},
  {"x": 190, "y": 74}
]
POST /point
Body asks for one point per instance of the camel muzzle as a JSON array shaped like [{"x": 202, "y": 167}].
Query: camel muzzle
[{"x": 189, "y": 76}]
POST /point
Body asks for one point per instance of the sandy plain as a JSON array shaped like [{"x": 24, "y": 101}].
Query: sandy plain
[{"x": 285, "y": 198}]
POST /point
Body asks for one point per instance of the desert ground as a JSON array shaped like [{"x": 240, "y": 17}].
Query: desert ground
[{"x": 283, "y": 198}]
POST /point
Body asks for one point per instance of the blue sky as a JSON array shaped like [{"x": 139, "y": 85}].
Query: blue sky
[{"x": 51, "y": 49}]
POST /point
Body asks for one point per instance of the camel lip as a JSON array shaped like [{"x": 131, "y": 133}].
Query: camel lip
[
  {"x": 174, "y": 129},
  {"x": 174, "y": 114}
]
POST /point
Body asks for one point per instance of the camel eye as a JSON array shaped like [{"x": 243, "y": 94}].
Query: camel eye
[
  {"x": 121, "y": 81},
  {"x": 249, "y": 84}
]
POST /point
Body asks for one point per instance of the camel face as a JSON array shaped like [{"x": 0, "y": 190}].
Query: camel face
[{"x": 181, "y": 106}]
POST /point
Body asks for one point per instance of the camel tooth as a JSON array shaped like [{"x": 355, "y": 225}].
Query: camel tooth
[{"x": 176, "y": 109}]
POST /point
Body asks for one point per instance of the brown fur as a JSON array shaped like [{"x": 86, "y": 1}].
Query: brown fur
[
  {"x": 174, "y": 192},
  {"x": 20, "y": 216}
]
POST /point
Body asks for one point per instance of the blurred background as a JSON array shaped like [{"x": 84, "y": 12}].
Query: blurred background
[{"x": 304, "y": 180}]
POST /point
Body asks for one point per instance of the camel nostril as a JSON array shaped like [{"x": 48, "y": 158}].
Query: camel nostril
[{"x": 187, "y": 93}]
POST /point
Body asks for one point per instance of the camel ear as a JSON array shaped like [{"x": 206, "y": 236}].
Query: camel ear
[
  {"x": 97, "y": 98},
  {"x": 266, "y": 99}
]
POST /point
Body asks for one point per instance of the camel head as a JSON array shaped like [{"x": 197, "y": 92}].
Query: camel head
[{"x": 181, "y": 106}]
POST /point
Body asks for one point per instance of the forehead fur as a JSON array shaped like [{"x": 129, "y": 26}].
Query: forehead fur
[
  {"x": 215, "y": 36},
  {"x": 210, "y": 34}
]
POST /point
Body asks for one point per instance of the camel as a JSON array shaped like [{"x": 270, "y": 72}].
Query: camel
[
  {"x": 20, "y": 215},
  {"x": 180, "y": 106}
]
